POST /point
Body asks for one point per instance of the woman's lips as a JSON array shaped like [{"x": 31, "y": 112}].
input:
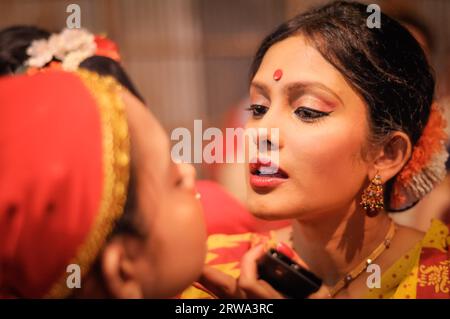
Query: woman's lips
[{"x": 264, "y": 176}]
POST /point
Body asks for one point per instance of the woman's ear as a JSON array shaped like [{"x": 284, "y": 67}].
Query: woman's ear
[
  {"x": 119, "y": 271},
  {"x": 392, "y": 156}
]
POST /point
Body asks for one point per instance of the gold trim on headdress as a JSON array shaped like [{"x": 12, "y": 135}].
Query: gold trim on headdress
[{"x": 116, "y": 162}]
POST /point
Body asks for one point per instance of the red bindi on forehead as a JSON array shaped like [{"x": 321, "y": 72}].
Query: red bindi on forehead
[{"x": 277, "y": 75}]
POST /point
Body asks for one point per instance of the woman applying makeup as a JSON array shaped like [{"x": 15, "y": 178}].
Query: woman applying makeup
[{"x": 359, "y": 137}]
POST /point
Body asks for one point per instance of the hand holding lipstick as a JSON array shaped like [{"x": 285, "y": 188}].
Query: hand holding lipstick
[{"x": 249, "y": 285}]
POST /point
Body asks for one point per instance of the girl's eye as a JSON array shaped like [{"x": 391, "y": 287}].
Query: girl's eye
[
  {"x": 257, "y": 110},
  {"x": 309, "y": 115}
]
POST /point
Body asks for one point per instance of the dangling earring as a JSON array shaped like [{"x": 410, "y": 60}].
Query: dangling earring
[{"x": 372, "y": 198}]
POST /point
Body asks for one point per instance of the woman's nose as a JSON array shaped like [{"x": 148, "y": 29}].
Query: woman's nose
[
  {"x": 268, "y": 131},
  {"x": 267, "y": 139}
]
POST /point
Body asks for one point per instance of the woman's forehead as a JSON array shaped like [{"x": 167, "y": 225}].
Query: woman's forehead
[
  {"x": 300, "y": 64},
  {"x": 298, "y": 60}
]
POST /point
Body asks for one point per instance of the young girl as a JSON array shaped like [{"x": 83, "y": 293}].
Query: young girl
[{"x": 89, "y": 205}]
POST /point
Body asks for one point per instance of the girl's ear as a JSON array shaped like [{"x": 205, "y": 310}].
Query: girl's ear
[
  {"x": 119, "y": 271},
  {"x": 392, "y": 156}
]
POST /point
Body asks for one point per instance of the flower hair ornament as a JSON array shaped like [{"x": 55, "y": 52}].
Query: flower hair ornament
[
  {"x": 71, "y": 47},
  {"x": 426, "y": 167}
]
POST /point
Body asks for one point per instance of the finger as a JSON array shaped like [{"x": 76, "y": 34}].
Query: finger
[
  {"x": 249, "y": 280},
  {"x": 249, "y": 264},
  {"x": 219, "y": 283}
]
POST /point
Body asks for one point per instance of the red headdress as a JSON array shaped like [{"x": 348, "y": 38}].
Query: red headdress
[{"x": 64, "y": 165}]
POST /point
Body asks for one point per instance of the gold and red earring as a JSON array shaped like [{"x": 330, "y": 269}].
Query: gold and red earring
[{"x": 372, "y": 199}]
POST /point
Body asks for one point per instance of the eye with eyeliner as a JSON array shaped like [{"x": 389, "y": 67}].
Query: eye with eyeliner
[
  {"x": 304, "y": 113},
  {"x": 310, "y": 115},
  {"x": 257, "y": 110}
]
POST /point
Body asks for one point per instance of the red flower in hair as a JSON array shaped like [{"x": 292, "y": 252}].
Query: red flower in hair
[{"x": 106, "y": 48}]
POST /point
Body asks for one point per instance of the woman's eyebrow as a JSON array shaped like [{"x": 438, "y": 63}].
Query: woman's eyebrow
[
  {"x": 262, "y": 88},
  {"x": 293, "y": 90}
]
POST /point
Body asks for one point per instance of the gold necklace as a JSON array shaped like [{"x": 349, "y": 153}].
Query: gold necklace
[{"x": 353, "y": 274}]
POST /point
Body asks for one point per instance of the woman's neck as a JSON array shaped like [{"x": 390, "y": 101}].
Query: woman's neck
[{"x": 336, "y": 243}]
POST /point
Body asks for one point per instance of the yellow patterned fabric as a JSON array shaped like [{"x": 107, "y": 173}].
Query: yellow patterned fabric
[
  {"x": 224, "y": 254},
  {"x": 423, "y": 272}
]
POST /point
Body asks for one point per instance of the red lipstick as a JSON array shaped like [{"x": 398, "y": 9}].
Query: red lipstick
[{"x": 266, "y": 176}]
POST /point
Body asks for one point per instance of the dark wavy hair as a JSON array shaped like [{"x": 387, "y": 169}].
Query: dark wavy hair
[
  {"x": 385, "y": 65},
  {"x": 14, "y": 42}
]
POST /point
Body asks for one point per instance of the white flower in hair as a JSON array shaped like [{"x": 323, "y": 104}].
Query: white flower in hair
[
  {"x": 55, "y": 45},
  {"x": 73, "y": 60},
  {"x": 74, "y": 41},
  {"x": 71, "y": 47},
  {"x": 40, "y": 54}
]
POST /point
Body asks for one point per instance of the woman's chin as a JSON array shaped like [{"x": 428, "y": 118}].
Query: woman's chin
[{"x": 264, "y": 208}]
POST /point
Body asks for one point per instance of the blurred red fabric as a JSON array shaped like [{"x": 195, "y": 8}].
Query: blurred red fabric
[{"x": 226, "y": 215}]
